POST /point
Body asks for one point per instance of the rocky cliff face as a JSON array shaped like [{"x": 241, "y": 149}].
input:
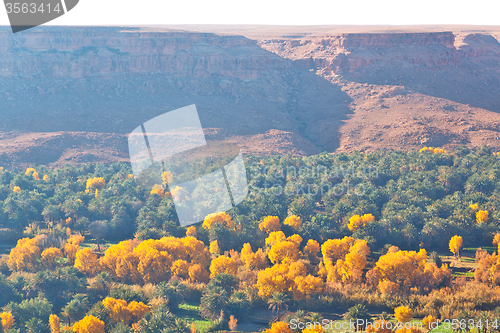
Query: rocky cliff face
[
  {"x": 72, "y": 81},
  {"x": 82, "y": 52},
  {"x": 464, "y": 69},
  {"x": 349, "y": 52},
  {"x": 408, "y": 89},
  {"x": 304, "y": 95}
]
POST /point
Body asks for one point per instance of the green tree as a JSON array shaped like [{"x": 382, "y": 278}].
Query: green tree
[
  {"x": 76, "y": 308},
  {"x": 174, "y": 291},
  {"x": 278, "y": 303},
  {"x": 213, "y": 301},
  {"x": 357, "y": 312}
]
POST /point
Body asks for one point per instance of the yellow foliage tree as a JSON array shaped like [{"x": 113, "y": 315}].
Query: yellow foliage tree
[
  {"x": 275, "y": 237},
  {"x": 111, "y": 259},
  {"x": 307, "y": 286},
  {"x": 408, "y": 269},
  {"x": 279, "y": 327},
  {"x": 402, "y": 267},
  {"x": 280, "y": 277},
  {"x": 178, "y": 193},
  {"x": 154, "y": 265},
  {"x": 158, "y": 190},
  {"x": 354, "y": 262},
  {"x": 89, "y": 324},
  {"x": 456, "y": 244},
  {"x": 55, "y": 326},
  {"x": 36, "y": 176},
  {"x": 76, "y": 239},
  {"x": 197, "y": 274},
  {"x": 283, "y": 252},
  {"x": 388, "y": 287},
  {"x": 335, "y": 249},
  {"x": 137, "y": 310},
  {"x": 214, "y": 247},
  {"x": 16, "y": 189},
  {"x": 270, "y": 224},
  {"x": 49, "y": 257},
  {"x": 496, "y": 239},
  {"x": 223, "y": 264},
  {"x": 197, "y": 251},
  {"x": 180, "y": 268},
  {"x": 126, "y": 268},
  {"x": 70, "y": 251},
  {"x": 496, "y": 242},
  {"x": 86, "y": 261},
  {"x": 45, "y": 178},
  {"x": 167, "y": 177},
  {"x": 357, "y": 221},
  {"x": 72, "y": 246},
  {"x": 218, "y": 218},
  {"x": 433, "y": 150},
  {"x": 29, "y": 171},
  {"x": 482, "y": 216},
  {"x": 119, "y": 311},
  {"x": 25, "y": 256},
  {"x": 312, "y": 248},
  {"x": 253, "y": 260},
  {"x": 7, "y": 320},
  {"x": 429, "y": 322},
  {"x": 488, "y": 270},
  {"x": 403, "y": 314},
  {"x": 349, "y": 268},
  {"x": 152, "y": 261},
  {"x": 191, "y": 231},
  {"x": 96, "y": 183},
  {"x": 293, "y": 221},
  {"x": 233, "y": 323},
  {"x": 296, "y": 239},
  {"x": 474, "y": 206}
]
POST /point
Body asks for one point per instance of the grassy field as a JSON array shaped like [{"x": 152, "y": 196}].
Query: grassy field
[{"x": 190, "y": 313}]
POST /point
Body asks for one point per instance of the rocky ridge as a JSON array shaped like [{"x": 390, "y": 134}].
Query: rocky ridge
[{"x": 81, "y": 90}]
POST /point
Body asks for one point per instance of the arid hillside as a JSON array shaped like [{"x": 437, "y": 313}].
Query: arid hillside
[{"x": 71, "y": 95}]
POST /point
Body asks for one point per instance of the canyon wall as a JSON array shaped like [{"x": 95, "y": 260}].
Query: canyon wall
[
  {"x": 301, "y": 94},
  {"x": 463, "y": 68},
  {"x": 79, "y": 52}
]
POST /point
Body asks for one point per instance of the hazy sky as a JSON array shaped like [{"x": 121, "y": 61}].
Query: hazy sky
[{"x": 310, "y": 12}]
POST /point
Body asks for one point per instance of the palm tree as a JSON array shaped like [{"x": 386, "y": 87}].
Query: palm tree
[
  {"x": 76, "y": 308},
  {"x": 103, "y": 280},
  {"x": 178, "y": 326},
  {"x": 121, "y": 328},
  {"x": 174, "y": 291},
  {"x": 300, "y": 315},
  {"x": 315, "y": 317},
  {"x": 358, "y": 312},
  {"x": 278, "y": 302},
  {"x": 68, "y": 312},
  {"x": 35, "y": 325}
]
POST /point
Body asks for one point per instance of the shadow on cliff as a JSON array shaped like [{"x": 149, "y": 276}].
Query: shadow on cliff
[{"x": 469, "y": 74}]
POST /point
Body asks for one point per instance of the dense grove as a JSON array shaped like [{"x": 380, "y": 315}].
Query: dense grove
[{"x": 91, "y": 251}]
